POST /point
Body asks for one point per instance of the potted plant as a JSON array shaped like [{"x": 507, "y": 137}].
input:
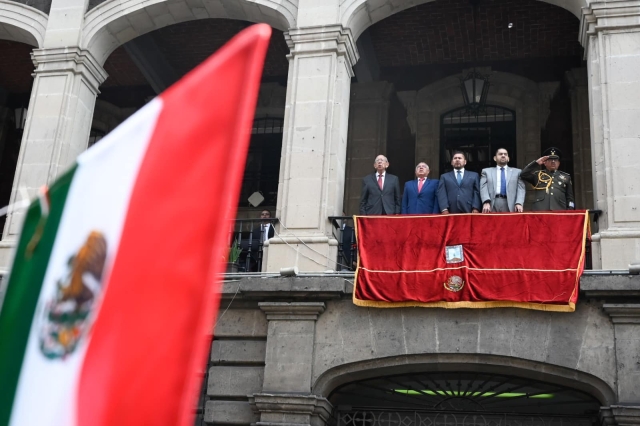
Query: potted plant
[{"x": 234, "y": 256}]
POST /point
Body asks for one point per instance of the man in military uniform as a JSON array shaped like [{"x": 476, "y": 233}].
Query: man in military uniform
[{"x": 553, "y": 188}]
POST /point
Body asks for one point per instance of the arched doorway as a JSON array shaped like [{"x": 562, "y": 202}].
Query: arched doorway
[
  {"x": 461, "y": 398},
  {"x": 478, "y": 135}
]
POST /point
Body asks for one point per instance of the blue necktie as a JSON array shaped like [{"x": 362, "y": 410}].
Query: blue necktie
[
  {"x": 459, "y": 178},
  {"x": 503, "y": 183}
]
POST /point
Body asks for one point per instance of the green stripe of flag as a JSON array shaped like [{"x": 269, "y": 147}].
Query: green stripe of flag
[{"x": 23, "y": 290}]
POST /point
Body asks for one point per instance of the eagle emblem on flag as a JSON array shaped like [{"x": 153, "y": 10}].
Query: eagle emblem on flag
[
  {"x": 454, "y": 283},
  {"x": 67, "y": 313}
]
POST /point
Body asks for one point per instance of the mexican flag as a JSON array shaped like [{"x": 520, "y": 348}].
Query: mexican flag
[{"x": 114, "y": 284}]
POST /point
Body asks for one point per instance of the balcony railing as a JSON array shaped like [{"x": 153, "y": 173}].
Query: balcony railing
[
  {"x": 247, "y": 233},
  {"x": 343, "y": 231}
]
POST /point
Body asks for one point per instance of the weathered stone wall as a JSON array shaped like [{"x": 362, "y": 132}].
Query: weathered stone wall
[{"x": 304, "y": 336}]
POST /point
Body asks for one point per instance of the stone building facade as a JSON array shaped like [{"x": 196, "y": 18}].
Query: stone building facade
[{"x": 351, "y": 79}]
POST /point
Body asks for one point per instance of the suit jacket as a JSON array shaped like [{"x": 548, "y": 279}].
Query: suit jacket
[
  {"x": 459, "y": 199},
  {"x": 554, "y": 190},
  {"x": 372, "y": 198},
  {"x": 515, "y": 187},
  {"x": 425, "y": 201},
  {"x": 257, "y": 231}
]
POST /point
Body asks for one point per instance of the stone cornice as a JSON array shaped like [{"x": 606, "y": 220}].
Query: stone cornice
[
  {"x": 620, "y": 415},
  {"x": 311, "y": 41},
  {"x": 623, "y": 313},
  {"x": 75, "y": 60},
  {"x": 608, "y": 15},
  {"x": 294, "y": 311},
  {"x": 311, "y": 405}
]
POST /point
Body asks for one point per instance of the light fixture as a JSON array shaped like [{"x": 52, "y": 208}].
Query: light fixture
[
  {"x": 474, "y": 85},
  {"x": 21, "y": 117},
  {"x": 475, "y": 88}
]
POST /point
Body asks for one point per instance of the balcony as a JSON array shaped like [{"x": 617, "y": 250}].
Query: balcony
[{"x": 252, "y": 255}]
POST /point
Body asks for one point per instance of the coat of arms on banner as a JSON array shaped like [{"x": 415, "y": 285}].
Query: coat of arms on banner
[
  {"x": 454, "y": 283},
  {"x": 67, "y": 313},
  {"x": 454, "y": 254}
]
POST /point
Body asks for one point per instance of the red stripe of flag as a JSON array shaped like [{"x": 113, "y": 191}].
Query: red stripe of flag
[{"x": 148, "y": 342}]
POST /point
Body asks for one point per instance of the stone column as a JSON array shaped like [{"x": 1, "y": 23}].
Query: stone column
[
  {"x": 368, "y": 119},
  {"x": 610, "y": 34},
  {"x": 311, "y": 183},
  {"x": 626, "y": 328},
  {"x": 581, "y": 132},
  {"x": 286, "y": 391},
  {"x": 58, "y": 121}
]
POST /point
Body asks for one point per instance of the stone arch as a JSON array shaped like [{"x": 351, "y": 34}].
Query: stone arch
[
  {"x": 22, "y": 23},
  {"x": 358, "y": 15},
  {"x": 407, "y": 364},
  {"x": 530, "y": 101},
  {"x": 113, "y": 23}
]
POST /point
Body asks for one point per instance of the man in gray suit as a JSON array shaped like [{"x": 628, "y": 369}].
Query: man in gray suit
[
  {"x": 501, "y": 188},
  {"x": 380, "y": 190}
]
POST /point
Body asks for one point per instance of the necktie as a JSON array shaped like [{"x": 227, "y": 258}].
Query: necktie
[
  {"x": 503, "y": 183},
  {"x": 420, "y": 183},
  {"x": 380, "y": 181},
  {"x": 459, "y": 178}
]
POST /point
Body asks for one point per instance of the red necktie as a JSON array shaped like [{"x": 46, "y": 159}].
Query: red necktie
[
  {"x": 420, "y": 183},
  {"x": 380, "y": 181}
]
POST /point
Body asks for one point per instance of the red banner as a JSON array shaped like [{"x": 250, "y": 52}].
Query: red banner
[{"x": 523, "y": 260}]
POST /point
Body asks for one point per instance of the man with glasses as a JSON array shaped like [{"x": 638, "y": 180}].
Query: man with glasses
[
  {"x": 553, "y": 188},
  {"x": 380, "y": 190}
]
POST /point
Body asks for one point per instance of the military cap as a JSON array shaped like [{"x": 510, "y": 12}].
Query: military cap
[{"x": 553, "y": 153}]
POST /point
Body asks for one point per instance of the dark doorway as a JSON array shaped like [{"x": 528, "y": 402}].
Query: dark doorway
[
  {"x": 262, "y": 169},
  {"x": 461, "y": 398},
  {"x": 478, "y": 136}
]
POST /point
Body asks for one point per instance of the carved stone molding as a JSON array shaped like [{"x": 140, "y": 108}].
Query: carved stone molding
[
  {"x": 300, "y": 311},
  {"x": 321, "y": 40},
  {"x": 74, "y": 60},
  {"x": 270, "y": 405},
  {"x": 620, "y": 415},
  {"x": 623, "y": 313},
  {"x": 608, "y": 16}
]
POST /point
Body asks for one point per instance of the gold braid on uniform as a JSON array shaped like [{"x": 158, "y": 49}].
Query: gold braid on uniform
[{"x": 544, "y": 179}]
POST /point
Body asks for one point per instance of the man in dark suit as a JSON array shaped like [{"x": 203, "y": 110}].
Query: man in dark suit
[
  {"x": 554, "y": 190},
  {"x": 459, "y": 189},
  {"x": 260, "y": 233},
  {"x": 380, "y": 190},
  {"x": 420, "y": 194}
]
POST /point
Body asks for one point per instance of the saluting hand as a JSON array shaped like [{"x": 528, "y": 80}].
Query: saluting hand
[{"x": 541, "y": 160}]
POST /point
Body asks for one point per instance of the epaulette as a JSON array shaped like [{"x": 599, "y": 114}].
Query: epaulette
[{"x": 564, "y": 173}]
